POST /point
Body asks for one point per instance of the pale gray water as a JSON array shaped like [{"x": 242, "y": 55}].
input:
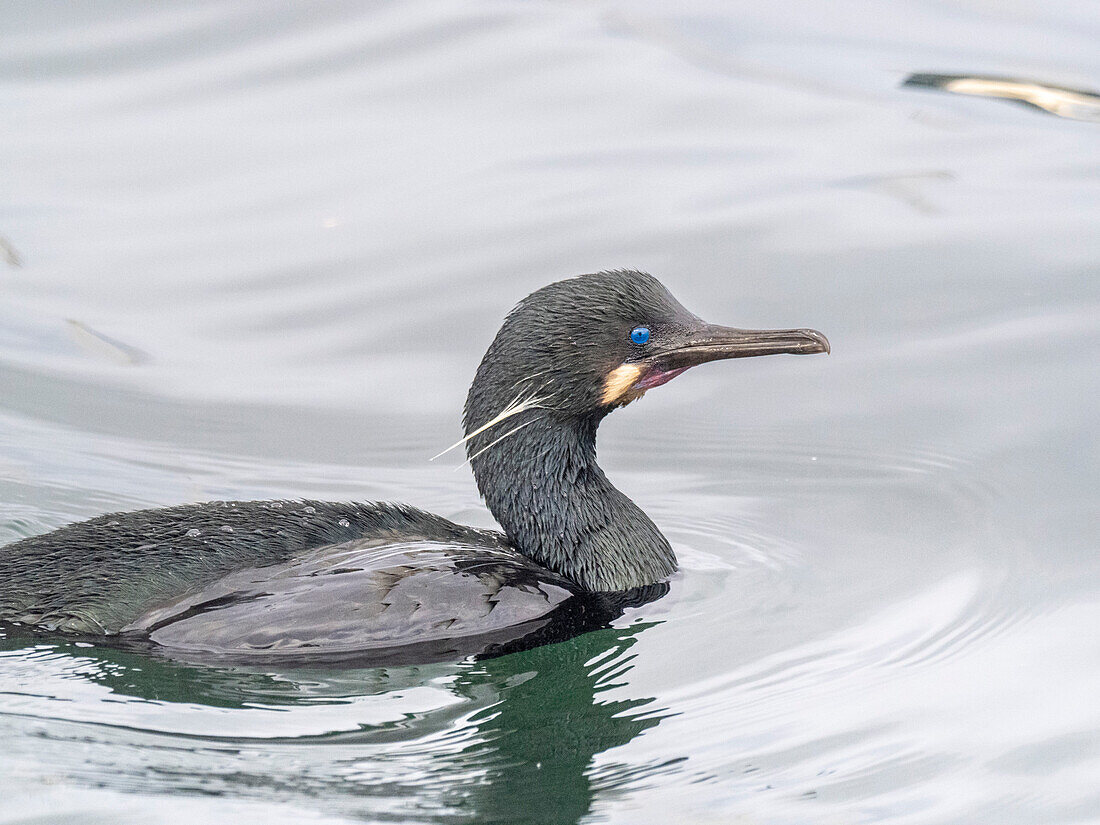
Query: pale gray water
[{"x": 258, "y": 251}]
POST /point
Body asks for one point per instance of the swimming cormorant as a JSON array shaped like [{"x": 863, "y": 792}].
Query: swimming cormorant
[{"x": 377, "y": 583}]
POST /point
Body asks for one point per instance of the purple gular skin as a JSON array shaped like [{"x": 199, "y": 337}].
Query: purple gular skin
[{"x": 656, "y": 378}]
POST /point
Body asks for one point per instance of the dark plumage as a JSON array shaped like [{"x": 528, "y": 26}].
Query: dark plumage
[
  {"x": 98, "y": 576},
  {"x": 385, "y": 582},
  {"x": 545, "y": 488}
]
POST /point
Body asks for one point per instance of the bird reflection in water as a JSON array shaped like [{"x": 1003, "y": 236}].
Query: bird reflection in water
[{"x": 519, "y": 746}]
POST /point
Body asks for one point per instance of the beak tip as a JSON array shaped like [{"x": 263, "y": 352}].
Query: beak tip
[{"x": 819, "y": 339}]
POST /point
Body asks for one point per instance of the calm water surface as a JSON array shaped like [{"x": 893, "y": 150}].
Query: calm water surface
[{"x": 258, "y": 252}]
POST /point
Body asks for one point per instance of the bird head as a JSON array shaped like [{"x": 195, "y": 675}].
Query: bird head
[{"x": 584, "y": 346}]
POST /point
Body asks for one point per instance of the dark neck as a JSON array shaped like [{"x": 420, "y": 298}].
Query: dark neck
[{"x": 556, "y": 505}]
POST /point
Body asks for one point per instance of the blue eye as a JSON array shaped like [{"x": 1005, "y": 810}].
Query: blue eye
[{"x": 639, "y": 335}]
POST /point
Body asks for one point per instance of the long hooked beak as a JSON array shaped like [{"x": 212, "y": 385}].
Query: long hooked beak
[{"x": 711, "y": 342}]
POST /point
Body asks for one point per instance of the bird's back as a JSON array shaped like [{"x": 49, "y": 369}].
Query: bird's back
[
  {"x": 101, "y": 575},
  {"x": 296, "y": 583}
]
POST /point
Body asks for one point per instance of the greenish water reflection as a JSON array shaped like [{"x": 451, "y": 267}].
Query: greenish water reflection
[
  {"x": 549, "y": 724},
  {"x": 518, "y": 747}
]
